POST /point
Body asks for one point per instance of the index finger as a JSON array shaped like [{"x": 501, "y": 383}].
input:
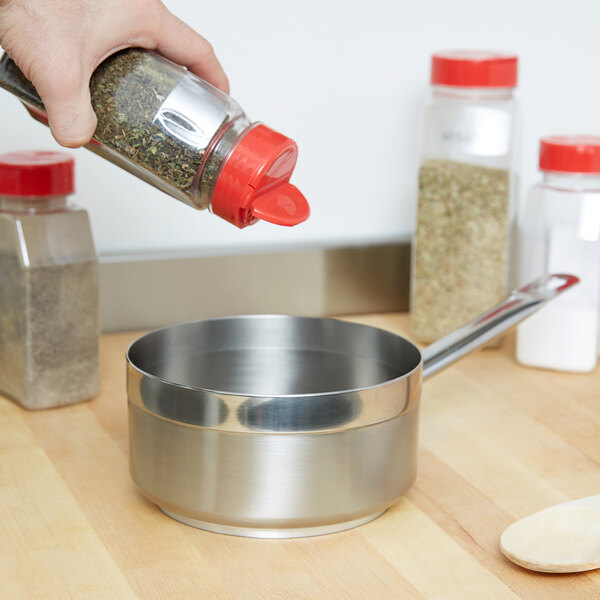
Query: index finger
[{"x": 180, "y": 43}]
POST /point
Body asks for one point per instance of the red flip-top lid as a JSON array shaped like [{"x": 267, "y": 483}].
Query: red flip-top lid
[
  {"x": 36, "y": 173},
  {"x": 570, "y": 154},
  {"x": 254, "y": 181},
  {"x": 472, "y": 68}
]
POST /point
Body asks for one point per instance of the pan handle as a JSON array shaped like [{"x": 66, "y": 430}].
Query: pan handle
[{"x": 518, "y": 306}]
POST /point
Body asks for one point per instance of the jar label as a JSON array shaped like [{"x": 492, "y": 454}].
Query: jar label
[{"x": 475, "y": 130}]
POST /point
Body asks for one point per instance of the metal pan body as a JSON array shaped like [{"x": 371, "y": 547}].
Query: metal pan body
[{"x": 273, "y": 426}]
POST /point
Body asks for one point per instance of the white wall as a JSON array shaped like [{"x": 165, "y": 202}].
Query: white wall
[{"x": 345, "y": 80}]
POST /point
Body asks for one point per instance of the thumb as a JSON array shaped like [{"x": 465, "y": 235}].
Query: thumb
[{"x": 66, "y": 96}]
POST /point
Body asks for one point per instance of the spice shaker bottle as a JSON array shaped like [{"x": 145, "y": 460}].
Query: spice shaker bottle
[
  {"x": 460, "y": 256},
  {"x": 560, "y": 229},
  {"x": 49, "y": 292},
  {"x": 182, "y": 135}
]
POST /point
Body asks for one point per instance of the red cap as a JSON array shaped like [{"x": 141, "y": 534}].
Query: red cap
[
  {"x": 254, "y": 182},
  {"x": 570, "y": 154},
  {"x": 36, "y": 173},
  {"x": 472, "y": 68}
]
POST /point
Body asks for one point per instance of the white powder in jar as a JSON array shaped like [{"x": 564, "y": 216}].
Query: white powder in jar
[{"x": 560, "y": 337}]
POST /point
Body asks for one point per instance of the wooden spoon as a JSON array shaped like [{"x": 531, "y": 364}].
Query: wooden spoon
[{"x": 561, "y": 539}]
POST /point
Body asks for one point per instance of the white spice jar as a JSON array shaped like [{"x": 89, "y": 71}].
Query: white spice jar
[
  {"x": 560, "y": 232},
  {"x": 49, "y": 284}
]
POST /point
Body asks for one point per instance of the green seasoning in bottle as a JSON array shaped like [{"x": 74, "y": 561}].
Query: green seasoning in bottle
[
  {"x": 461, "y": 249},
  {"x": 180, "y": 134},
  {"x": 460, "y": 264}
]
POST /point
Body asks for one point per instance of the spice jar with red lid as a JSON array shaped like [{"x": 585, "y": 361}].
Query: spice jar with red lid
[
  {"x": 465, "y": 206},
  {"x": 175, "y": 131},
  {"x": 559, "y": 230},
  {"x": 49, "y": 293}
]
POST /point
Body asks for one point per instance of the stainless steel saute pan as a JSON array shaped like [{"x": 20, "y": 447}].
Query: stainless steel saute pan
[{"x": 278, "y": 426}]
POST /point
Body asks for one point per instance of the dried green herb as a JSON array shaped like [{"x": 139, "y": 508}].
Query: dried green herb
[
  {"x": 460, "y": 266},
  {"x": 127, "y": 91}
]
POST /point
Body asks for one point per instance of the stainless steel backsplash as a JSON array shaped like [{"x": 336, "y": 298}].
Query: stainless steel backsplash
[{"x": 144, "y": 293}]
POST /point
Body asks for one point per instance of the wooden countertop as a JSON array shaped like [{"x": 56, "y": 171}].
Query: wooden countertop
[{"x": 498, "y": 442}]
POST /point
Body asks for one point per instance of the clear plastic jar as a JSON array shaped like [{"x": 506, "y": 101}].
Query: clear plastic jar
[
  {"x": 185, "y": 137},
  {"x": 465, "y": 200},
  {"x": 49, "y": 293},
  {"x": 559, "y": 231}
]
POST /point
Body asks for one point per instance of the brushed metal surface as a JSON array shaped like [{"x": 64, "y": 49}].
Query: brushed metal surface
[
  {"x": 258, "y": 532},
  {"x": 516, "y": 307},
  {"x": 146, "y": 292},
  {"x": 273, "y": 485},
  {"x": 274, "y": 373},
  {"x": 278, "y": 426}
]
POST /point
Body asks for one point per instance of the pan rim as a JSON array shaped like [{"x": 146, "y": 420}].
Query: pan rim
[{"x": 225, "y": 393}]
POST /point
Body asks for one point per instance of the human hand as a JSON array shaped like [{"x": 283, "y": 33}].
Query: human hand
[{"x": 59, "y": 43}]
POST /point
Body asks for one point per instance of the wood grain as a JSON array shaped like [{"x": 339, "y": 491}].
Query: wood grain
[
  {"x": 498, "y": 442},
  {"x": 559, "y": 539}
]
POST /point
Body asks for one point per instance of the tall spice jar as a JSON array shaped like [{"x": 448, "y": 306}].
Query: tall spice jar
[
  {"x": 49, "y": 292},
  {"x": 559, "y": 231},
  {"x": 175, "y": 131},
  {"x": 467, "y": 179}
]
